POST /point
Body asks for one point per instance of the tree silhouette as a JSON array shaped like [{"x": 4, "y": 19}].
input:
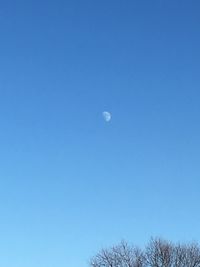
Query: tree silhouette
[{"x": 157, "y": 253}]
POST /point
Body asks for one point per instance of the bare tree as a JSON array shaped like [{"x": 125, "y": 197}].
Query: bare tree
[
  {"x": 158, "y": 253},
  {"x": 121, "y": 255},
  {"x": 192, "y": 255}
]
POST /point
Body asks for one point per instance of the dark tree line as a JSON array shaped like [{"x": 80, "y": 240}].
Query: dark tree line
[{"x": 158, "y": 253}]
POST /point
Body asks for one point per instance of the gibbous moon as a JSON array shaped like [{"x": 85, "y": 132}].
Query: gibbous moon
[{"x": 106, "y": 116}]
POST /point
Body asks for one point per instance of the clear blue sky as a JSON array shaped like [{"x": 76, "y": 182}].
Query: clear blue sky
[{"x": 70, "y": 183}]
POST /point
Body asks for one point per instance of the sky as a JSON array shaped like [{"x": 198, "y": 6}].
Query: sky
[{"x": 70, "y": 182}]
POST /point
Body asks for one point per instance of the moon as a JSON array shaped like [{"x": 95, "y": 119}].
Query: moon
[{"x": 107, "y": 116}]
